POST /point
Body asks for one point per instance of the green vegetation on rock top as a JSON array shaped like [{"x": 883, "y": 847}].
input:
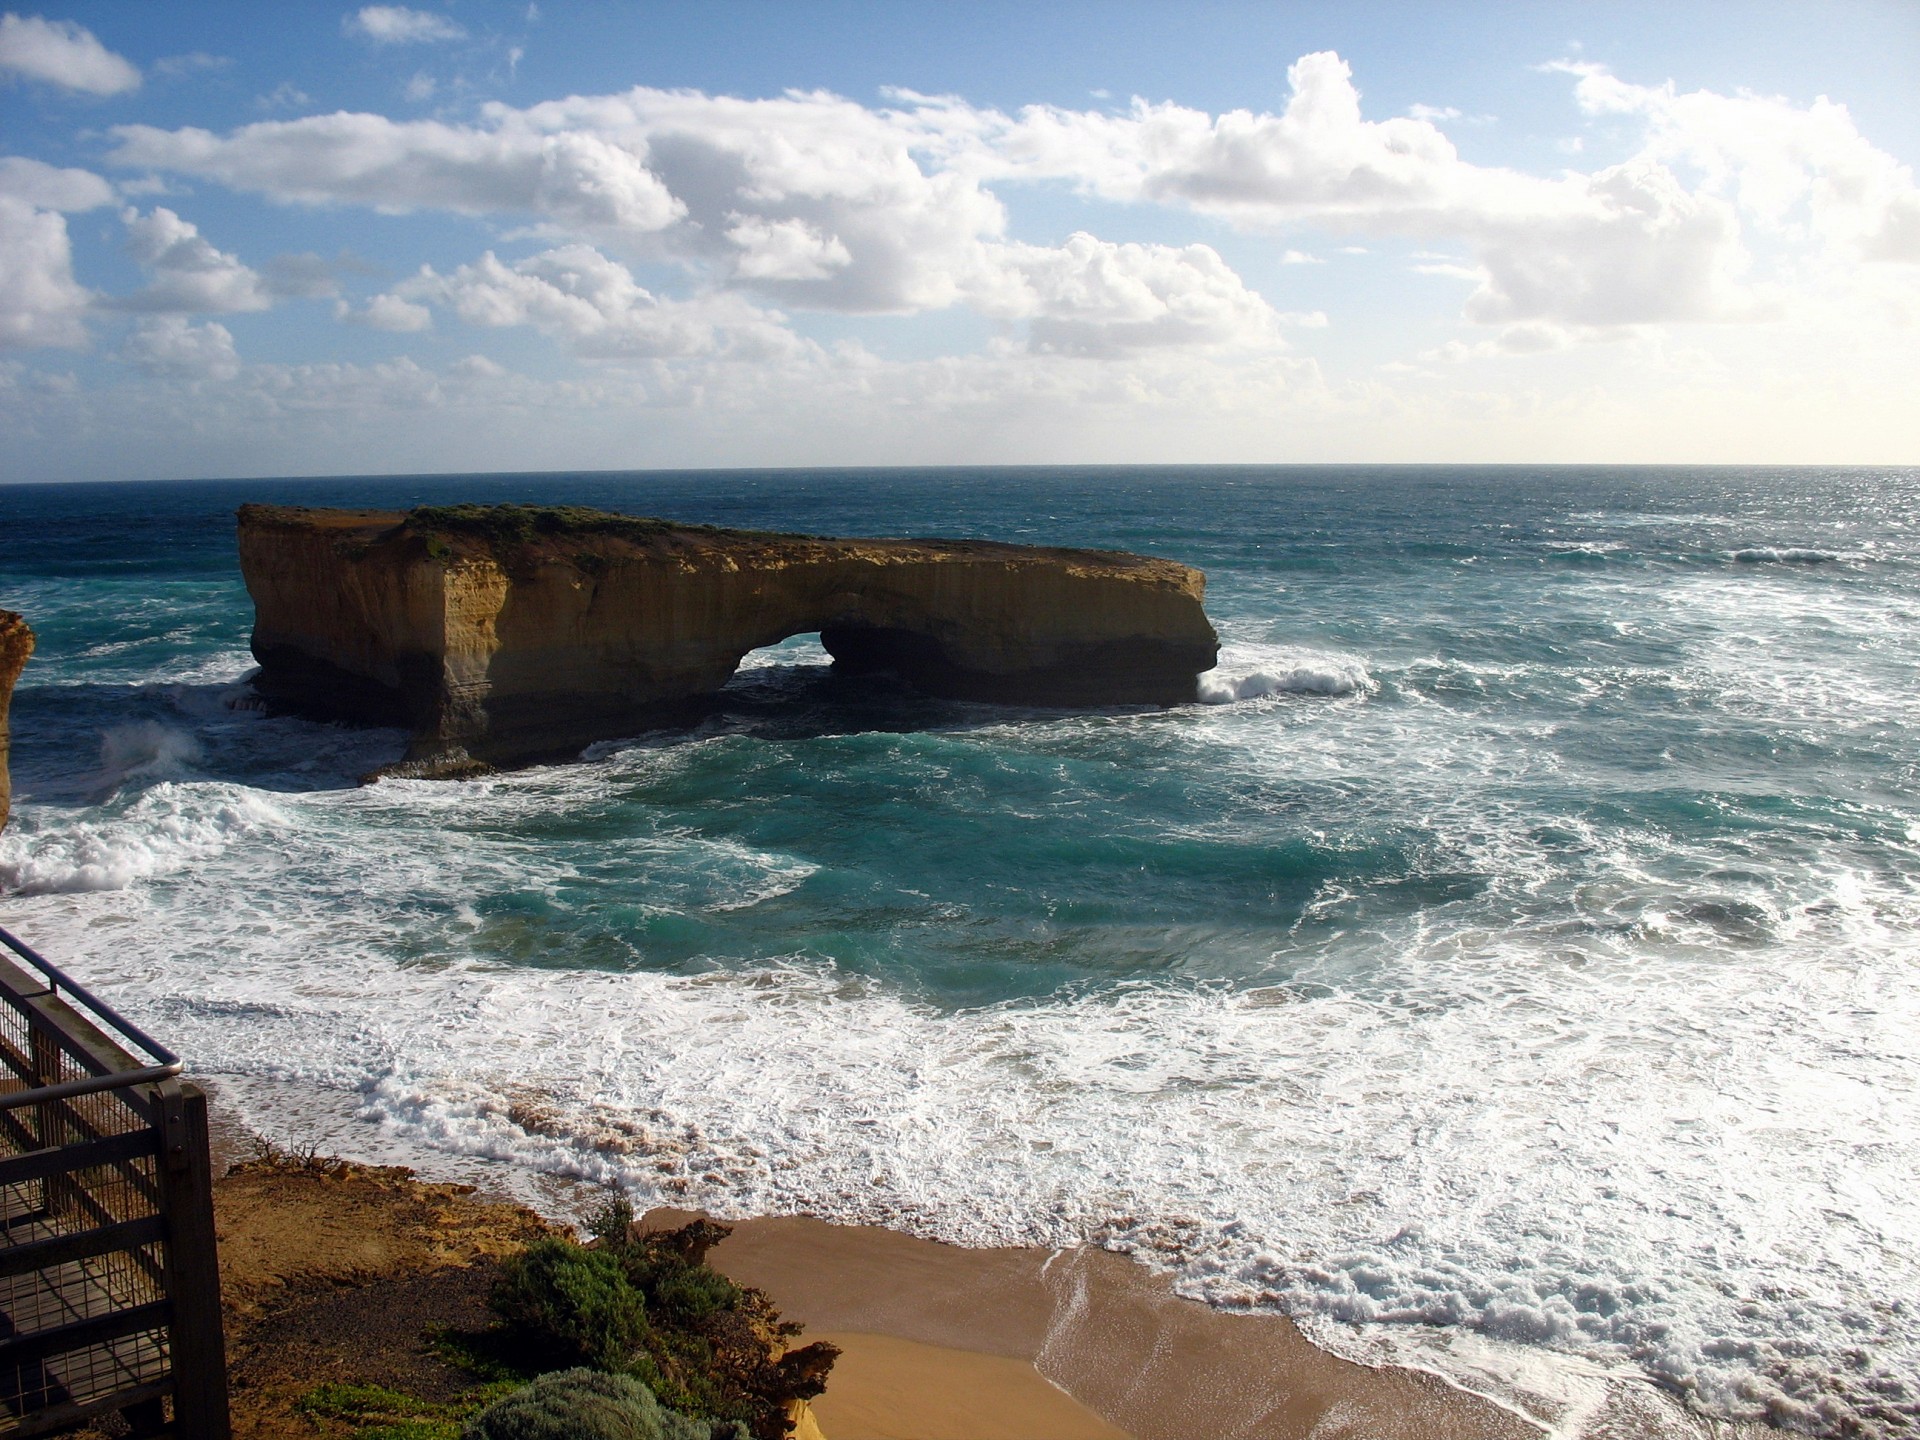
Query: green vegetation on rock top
[{"x": 511, "y": 526}]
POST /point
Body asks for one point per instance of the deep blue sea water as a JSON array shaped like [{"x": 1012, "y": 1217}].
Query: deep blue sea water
[{"x": 1512, "y": 967}]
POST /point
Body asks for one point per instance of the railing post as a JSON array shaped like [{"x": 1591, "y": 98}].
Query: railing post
[
  {"x": 198, "y": 1346},
  {"x": 50, "y": 1122}
]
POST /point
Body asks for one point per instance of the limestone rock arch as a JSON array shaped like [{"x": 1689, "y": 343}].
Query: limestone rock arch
[{"x": 506, "y": 634}]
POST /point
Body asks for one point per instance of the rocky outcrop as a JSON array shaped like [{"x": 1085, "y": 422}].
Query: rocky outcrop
[
  {"x": 16, "y": 644},
  {"x": 507, "y": 634}
]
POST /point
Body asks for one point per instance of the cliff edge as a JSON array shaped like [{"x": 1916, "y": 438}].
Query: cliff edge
[
  {"x": 16, "y": 644},
  {"x": 508, "y": 634}
]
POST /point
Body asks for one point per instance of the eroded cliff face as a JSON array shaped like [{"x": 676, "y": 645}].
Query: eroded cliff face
[
  {"x": 16, "y": 644},
  {"x": 504, "y": 635}
]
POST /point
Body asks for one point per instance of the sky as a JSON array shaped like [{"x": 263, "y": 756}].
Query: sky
[{"x": 322, "y": 239}]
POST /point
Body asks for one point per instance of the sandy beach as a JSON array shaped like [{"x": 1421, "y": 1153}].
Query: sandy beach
[{"x": 938, "y": 1342}]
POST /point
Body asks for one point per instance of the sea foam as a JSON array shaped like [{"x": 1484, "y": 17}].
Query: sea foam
[
  {"x": 145, "y": 751},
  {"x": 1373, "y": 1162},
  {"x": 1286, "y": 672},
  {"x": 166, "y": 829}
]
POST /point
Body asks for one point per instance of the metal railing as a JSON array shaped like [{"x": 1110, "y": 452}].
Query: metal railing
[{"x": 109, "y": 1280}]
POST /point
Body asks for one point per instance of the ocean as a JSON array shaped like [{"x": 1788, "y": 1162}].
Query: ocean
[{"x": 1511, "y": 968}]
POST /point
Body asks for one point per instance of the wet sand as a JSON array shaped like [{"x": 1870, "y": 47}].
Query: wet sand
[
  {"x": 886, "y": 1388},
  {"x": 944, "y": 1342}
]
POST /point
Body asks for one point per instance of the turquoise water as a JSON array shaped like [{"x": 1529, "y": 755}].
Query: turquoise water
[{"x": 1511, "y": 964}]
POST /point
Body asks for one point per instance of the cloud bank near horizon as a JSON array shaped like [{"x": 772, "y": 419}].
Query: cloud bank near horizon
[{"x": 688, "y": 252}]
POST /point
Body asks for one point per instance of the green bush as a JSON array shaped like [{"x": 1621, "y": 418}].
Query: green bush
[
  {"x": 572, "y": 1305},
  {"x": 648, "y": 1306},
  {"x": 587, "y": 1405}
]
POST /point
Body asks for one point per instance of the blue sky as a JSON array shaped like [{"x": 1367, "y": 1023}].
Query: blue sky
[{"x": 322, "y": 239}]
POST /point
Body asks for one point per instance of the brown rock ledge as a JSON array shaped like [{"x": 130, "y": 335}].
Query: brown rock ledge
[
  {"x": 16, "y": 644},
  {"x": 504, "y": 635}
]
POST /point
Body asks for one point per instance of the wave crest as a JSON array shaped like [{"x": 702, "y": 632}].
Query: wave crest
[
  {"x": 1308, "y": 675},
  {"x": 167, "y": 829}
]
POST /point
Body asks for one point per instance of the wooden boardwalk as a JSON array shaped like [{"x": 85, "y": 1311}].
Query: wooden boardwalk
[{"x": 109, "y": 1286}]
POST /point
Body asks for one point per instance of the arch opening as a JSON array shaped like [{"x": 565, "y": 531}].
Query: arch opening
[
  {"x": 799, "y": 660},
  {"x": 802, "y": 649}
]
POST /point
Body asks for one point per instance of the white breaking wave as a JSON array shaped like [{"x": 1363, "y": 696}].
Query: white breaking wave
[
  {"x": 1788, "y": 555},
  {"x": 795, "y": 650},
  {"x": 1289, "y": 673},
  {"x": 170, "y": 827}
]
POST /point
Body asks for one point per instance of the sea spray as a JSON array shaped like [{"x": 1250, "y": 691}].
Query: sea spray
[{"x": 145, "y": 751}]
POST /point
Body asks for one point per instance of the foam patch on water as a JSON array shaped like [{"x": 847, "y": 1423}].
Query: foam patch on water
[{"x": 803, "y": 651}]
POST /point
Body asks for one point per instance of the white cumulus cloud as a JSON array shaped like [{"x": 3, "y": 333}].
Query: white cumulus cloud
[
  {"x": 387, "y": 312},
  {"x": 1626, "y": 245},
  {"x": 399, "y": 25},
  {"x": 1801, "y": 172},
  {"x": 593, "y": 303},
  {"x": 508, "y": 168},
  {"x": 189, "y": 274},
  {"x": 40, "y": 302},
  {"x": 811, "y": 201},
  {"x": 52, "y": 187},
  {"x": 62, "y": 53},
  {"x": 173, "y": 346},
  {"x": 1093, "y": 297},
  {"x": 785, "y": 250}
]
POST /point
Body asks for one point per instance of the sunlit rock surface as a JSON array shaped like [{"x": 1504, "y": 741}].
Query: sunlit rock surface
[
  {"x": 16, "y": 644},
  {"x": 506, "y": 634}
]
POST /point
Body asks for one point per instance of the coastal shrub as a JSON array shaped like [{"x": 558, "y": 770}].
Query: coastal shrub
[
  {"x": 669, "y": 1267},
  {"x": 587, "y": 1405},
  {"x": 571, "y": 1305},
  {"x": 647, "y": 1305},
  {"x": 363, "y": 1403}
]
